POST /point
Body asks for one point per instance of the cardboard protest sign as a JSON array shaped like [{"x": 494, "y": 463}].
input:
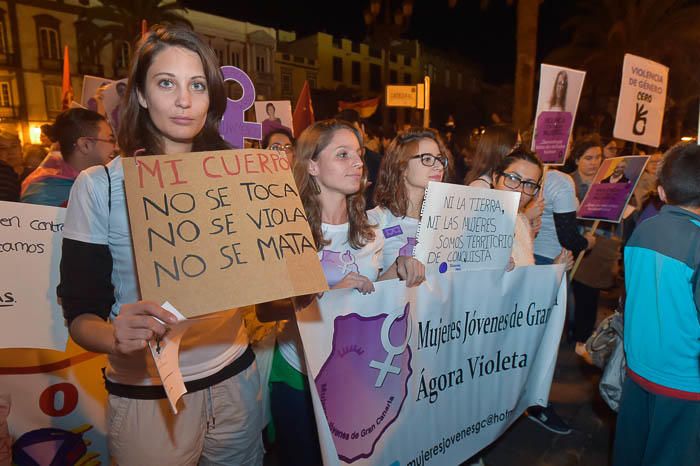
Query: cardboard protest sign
[
  {"x": 612, "y": 188},
  {"x": 431, "y": 375},
  {"x": 274, "y": 114},
  {"x": 112, "y": 98},
  {"x": 219, "y": 230},
  {"x": 30, "y": 248},
  {"x": 465, "y": 228},
  {"x": 557, "y": 102},
  {"x": 640, "y": 108},
  {"x": 90, "y": 86}
]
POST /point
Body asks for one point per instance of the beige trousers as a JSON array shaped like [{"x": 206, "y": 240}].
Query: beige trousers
[{"x": 220, "y": 425}]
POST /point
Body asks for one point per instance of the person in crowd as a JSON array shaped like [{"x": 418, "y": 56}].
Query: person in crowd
[
  {"x": 415, "y": 157},
  {"x": 587, "y": 156},
  {"x": 9, "y": 183},
  {"x": 558, "y": 231},
  {"x": 279, "y": 139},
  {"x": 32, "y": 157},
  {"x": 613, "y": 148},
  {"x": 85, "y": 139},
  {"x": 557, "y": 100},
  {"x": 495, "y": 143},
  {"x": 330, "y": 175},
  {"x": 521, "y": 171},
  {"x": 648, "y": 181},
  {"x": 388, "y": 135},
  {"x": 372, "y": 159},
  {"x": 174, "y": 101},
  {"x": 659, "y": 417}
]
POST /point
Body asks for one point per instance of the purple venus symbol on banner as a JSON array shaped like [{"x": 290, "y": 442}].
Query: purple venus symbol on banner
[{"x": 234, "y": 129}]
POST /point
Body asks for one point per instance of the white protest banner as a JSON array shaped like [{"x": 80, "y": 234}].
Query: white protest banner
[
  {"x": 612, "y": 188},
  {"x": 465, "y": 228},
  {"x": 274, "y": 114},
  {"x": 557, "y": 102},
  {"x": 219, "y": 230},
  {"x": 431, "y": 375},
  {"x": 58, "y": 406},
  {"x": 90, "y": 86},
  {"x": 640, "y": 108},
  {"x": 30, "y": 252}
]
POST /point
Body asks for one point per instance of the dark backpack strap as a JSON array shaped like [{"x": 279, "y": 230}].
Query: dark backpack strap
[{"x": 109, "y": 189}]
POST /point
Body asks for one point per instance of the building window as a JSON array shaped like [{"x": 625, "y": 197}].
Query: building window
[
  {"x": 393, "y": 77},
  {"x": 260, "y": 64},
  {"x": 311, "y": 78},
  {"x": 52, "y": 94},
  {"x": 337, "y": 42},
  {"x": 447, "y": 77},
  {"x": 49, "y": 46},
  {"x": 285, "y": 56},
  {"x": 356, "y": 73},
  {"x": 286, "y": 76},
  {"x": 392, "y": 57},
  {"x": 375, "y": 52},
  {"x": 219, "y": 56},
  {"x": 123, "y": 54},
  {"x": 407, "y": 78},
  {"x": 236, "y": 58},
  {"x": 355, "y": 47},
  {"x": 337, "y": 69},
  {"x": 459, "y": 81},
  {"x": 3, "y": 43},
  {"x": 299, "y": 60},
  {"x": 5, "y": 95},
  {"x": 375, "y": 77},
  {"x": 407, "y": 61}
]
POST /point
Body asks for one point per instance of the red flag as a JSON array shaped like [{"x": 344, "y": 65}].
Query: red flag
[
  {"x": 144, "y": 28},
  {"x": 365, "y": 108},
  {"x": 67, "y": 87},
  {"x": 304, "y": 111}
]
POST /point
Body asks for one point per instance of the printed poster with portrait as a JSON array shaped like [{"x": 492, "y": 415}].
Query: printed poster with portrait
[
  {"x": 90, "y": 86},
  {"x": 112, "y": 97},
  {"x": 557, "y": 102},
  {"x": 612, "y": 188},
  {"x": 274, "y": 114}
]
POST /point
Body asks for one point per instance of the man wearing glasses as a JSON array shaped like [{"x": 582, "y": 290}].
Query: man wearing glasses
[{"x": 85, "y": 139}]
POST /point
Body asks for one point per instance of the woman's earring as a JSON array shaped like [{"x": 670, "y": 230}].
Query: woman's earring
[{"x": 314, "y": 185}]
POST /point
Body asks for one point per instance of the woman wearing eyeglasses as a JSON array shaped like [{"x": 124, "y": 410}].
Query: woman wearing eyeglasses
[
  {"x": 521, "y": 171},
  {"x": 279, "y": 139},
  {"x": 413, "y": 159}
]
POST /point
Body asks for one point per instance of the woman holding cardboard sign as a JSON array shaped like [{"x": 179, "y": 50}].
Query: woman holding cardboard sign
[
  {"x": 413, "y": 159},
  {"x": 330, "y": 173},
  {"x": 174, "y": 101}
]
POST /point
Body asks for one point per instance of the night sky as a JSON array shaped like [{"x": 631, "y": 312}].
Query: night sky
[{"x": 486, "y": 38}]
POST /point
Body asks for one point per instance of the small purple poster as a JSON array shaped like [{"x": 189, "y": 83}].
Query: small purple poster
[
  {"x": 552, "y": 136},
  {"x": 612, "y": 188}
]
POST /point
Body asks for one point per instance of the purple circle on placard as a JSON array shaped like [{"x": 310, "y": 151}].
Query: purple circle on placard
[{"x": 443, "y": 267}]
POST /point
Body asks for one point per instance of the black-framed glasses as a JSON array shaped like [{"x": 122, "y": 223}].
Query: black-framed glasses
[
  {"x": 429, "y": 160},
  {"x": 280, "y": 147},
  {"x": 514, "y": 181}
]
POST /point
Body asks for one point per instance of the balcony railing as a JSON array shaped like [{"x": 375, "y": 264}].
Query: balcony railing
[
  {"x": 50, "y": 64},
  {"x": 94, "y": 69}
]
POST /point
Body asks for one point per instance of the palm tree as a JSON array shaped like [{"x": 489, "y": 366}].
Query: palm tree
[
  {"x": 661, "y": 30},
  {"x": 121, "y": 19}
]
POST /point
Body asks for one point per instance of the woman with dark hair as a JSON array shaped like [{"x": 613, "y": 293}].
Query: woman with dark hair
[
  {"x": 521, "y": 172},
  {"x": 279, "y": 139},
  {"x": 175, "y": 100},
  {"x": 557, "y": 101},
  {"x": 495, "y": 143},
  {"x": 331, "y": 177},
  {"x": 413, "y": 159}
]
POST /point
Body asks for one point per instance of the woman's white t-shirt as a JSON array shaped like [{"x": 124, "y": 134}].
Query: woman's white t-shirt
[
  {"x": 559, "y": 197},
  {"x": 399, "y": 234},
  {"x": 207, "y": 347},
  {"x": 337, "y": 259}
]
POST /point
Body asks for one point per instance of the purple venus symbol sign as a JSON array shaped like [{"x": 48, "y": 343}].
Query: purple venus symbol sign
[{"x": 234, "y": 129}]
